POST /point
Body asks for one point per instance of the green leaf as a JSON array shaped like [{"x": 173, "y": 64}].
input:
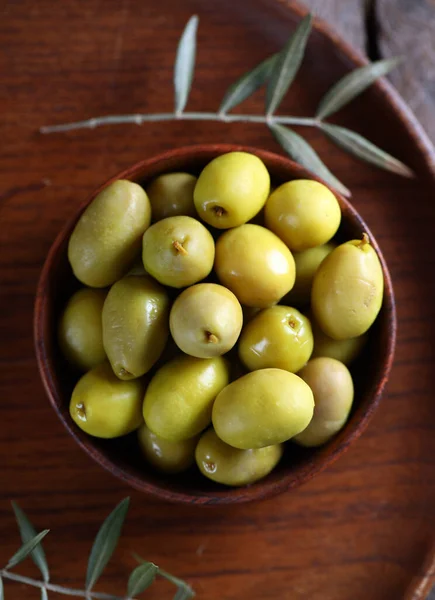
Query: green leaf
[
  {"x": 44, "y": 595},
  {"x": 184, "y": 592},
  {"x": 287, "y": 65},
  {"x": 361, "y": 148},
  {"x": 353, "y": 84},
  {"x": 28, "y": 532},
  {"x": 105, "y": 542},
  {"x": 185, "y": 64},
  {"x": 248, "y": 84},
  {"x": 26, "y": 549},
  {"x": 141, "y": 578},
  {"x": 2, "y": 592},
  {"x": 304, "y": 154}
]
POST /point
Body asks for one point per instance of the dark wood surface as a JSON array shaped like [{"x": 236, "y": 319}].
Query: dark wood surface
[{"x": 362, "y": 529}]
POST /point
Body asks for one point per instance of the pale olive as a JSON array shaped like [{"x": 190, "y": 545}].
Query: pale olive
[
  {"x": 255, "y": 265},
  {"x": 178, "y": 251},
  {"x": 224, "y": 464},
  {"x": 171, "y": 195},
  {"x": 107, "y": 237},
  {"x": 348, "y": 290},
  {"x": 278, "y": 337},
  {"x": 303, "y": 213},
  {"x": 104, "y": 406},
  {"x": 135, "y": 325},
  {"x": 206, "y": 320},
  {"x": 165, "y": 456},
  {"x": 179, "y": 398},
  {"x": 231, "y": 189},
  {"x": 262, "y": 408},
  {"x": 346, "y": 351},
  {"x": 80, "y": 329},
  {"x": 332, "y": 387}
]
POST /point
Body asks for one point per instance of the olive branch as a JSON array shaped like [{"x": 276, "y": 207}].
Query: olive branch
[
  {"x": 277, "y": 73},
  {"x": 103, "y": 547}
]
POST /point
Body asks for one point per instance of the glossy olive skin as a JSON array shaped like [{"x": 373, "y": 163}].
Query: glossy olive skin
[
  {"x": 255, "y": 265},
  {"x": 348, "y": 290},
  {"x": 80, "y": 329},
  {"x": 179, "y": 398},
  {"x": 167, "y": 457},
  {"x": 346, "y": 351},
  {"x": 231, "y": 189},
  {"x": 230, "y": 466},
  {"x": 178, "y": 251},
  {"x": 262, "y": 408},
  {"x": 307, "y": 262},
  {"x": 135, "y": 325},
  {"x": 278, "y": 337},
  {"x": 206, "y": 320},
  {"x": 107, "y": 237},
  {"x": 171, "y": 194},
  {"x": 303, "y": 213},
  {"x": 104, "y": 406},
  {"x": 332, "y": 386}
]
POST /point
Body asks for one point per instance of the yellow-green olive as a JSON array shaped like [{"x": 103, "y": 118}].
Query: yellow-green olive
[
  {"x": 346, "y": 351},
  {"x": 171, "y": 195},
  {"x": 165, "y": 456}
]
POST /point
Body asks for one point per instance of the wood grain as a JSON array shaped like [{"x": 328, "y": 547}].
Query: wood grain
[{"x": 364, "y": 525}]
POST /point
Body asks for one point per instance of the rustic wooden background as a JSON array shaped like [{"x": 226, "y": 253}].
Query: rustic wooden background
[{"x": 362, "y": 529}]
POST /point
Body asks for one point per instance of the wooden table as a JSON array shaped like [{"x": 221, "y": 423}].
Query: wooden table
[{"x": 68, "y": 60}]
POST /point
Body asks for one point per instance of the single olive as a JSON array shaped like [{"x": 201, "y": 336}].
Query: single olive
[
  {"x": 104, "y": 406},
  {"x": 165, "y": 456},
  {"x": 262, "y": 408},
  {"x": 135, "y": 325},
  {"x": 178, "y": 251},
  {"x": 346, "y": 351},
  {"x": 179, "y": 399},
  {"x": 108, "y": 235},
  {"x": 224, "y": 464},
  {"x": 348, "y": 289},
  {"x": 80, "y": 329},
  {"x": 278, "y": 337},
  {"x": 171, "y": 195},
  {"x": 332, "y": 387},
  {"x": 303, "y": 213},
  {"x": 206, "y": 320},
  {"x": 255, "y": 265},
  {"x": 231, "y": 189}
]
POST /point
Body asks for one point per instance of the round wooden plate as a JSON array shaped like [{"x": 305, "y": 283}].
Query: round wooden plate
[{"x": 360, "y": 530}]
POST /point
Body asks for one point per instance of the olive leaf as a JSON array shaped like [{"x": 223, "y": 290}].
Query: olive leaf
[
  {"x": 361, "y": 148},
  {"x": 27, "y": 532},
  {"x": 44, "y": 594},
  {"x": 353, "y": 84},
  {"x": 248, "y": 84},
  {"x": 105, "y": 542},
  {"x": 184, "y": 592},
  {"x": 304, "y": 154},
  {"x": 185, "y": 64},
  {"x": 2, "y": 592},
  {"x": 141, "y": 578},
  {"x": 26, "y": 549},
  {"x": 285, "y": 68}
]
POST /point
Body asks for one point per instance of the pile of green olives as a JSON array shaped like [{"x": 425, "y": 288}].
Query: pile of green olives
[{"x": 213, "y": 338}]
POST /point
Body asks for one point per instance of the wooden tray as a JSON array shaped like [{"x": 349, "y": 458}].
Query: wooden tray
[{"x": 360, "y": 530}]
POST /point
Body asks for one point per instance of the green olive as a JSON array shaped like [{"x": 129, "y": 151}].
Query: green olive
[
  {"x": 332, "y": 387},
  {"x": 80, "y": 329},
  {"x": 178, "y": 251},
  {"x": 135, "y": 325},
  {"x": 346, "y": 351},
  {"x": 206, "y": 320},
  {"x": 348, "y": 289},
  {"x": 303, "y": 213},
  {"x": 168, "y": 457},
  {"x": 262, "y": 408},
  {"x": 224, "y": 464},
  {"x": 307, "y": 262},
  {"x": 231, "y": 189},
  {"x": 171, "y": 195},
  {"x": 255, "y": 265},
  {"x": 179, "y": 399},
  {"x": 278, "y": 337},
  {"x": 108, "y": 235},
  {"x": 104, "y": 406}
]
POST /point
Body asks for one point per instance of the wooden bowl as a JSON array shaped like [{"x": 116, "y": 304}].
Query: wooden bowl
[{"x": 121, "y": 456}]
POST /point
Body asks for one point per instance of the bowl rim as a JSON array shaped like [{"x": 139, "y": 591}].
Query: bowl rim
[{"x": 264, "y": 488}]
